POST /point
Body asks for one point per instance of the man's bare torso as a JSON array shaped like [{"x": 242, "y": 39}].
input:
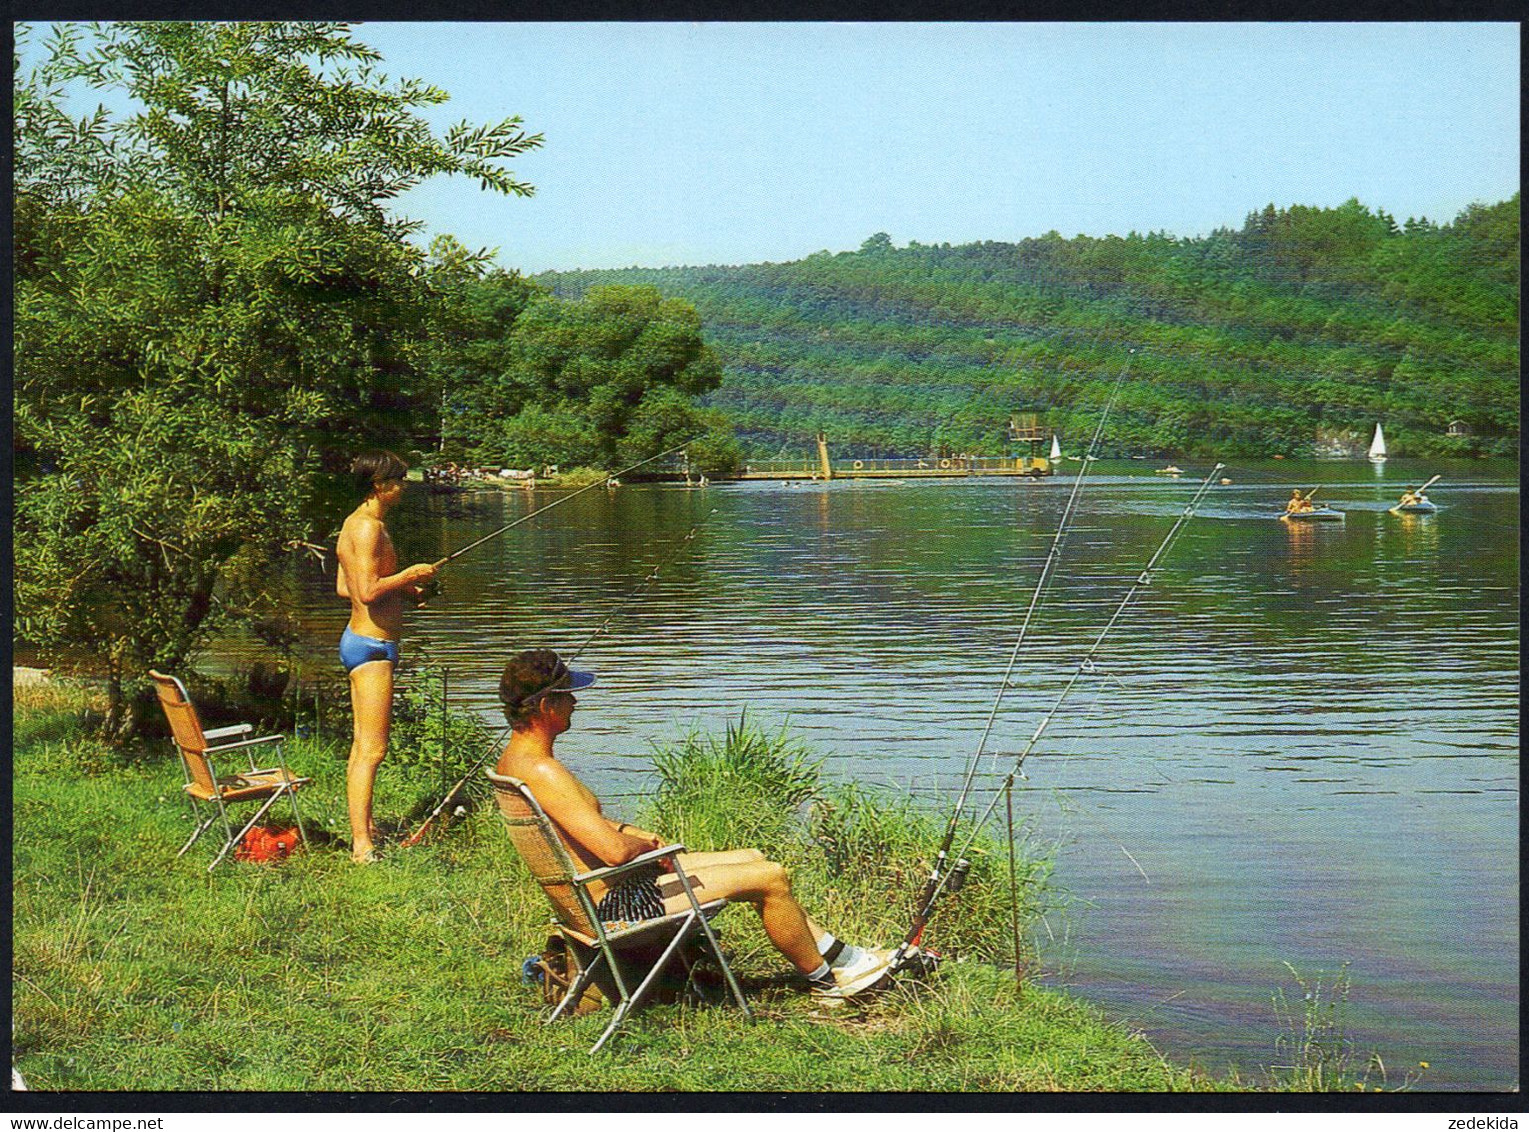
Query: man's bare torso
[{"x": 364, "y": 543}]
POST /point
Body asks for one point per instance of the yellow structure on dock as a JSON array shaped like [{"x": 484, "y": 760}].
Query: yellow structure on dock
[{"x": 824, "y": 468}]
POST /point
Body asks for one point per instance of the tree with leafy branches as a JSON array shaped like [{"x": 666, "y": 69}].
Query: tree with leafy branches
[
  {"x": 213, "y": 305},
  {"x": 604, "y": 380}
]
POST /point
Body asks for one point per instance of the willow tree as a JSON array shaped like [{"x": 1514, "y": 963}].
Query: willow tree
[{"x": 213, "y": 302}]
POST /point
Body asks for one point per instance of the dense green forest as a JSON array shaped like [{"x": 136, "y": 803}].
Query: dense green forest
[{"x": 1292, "y": 335}]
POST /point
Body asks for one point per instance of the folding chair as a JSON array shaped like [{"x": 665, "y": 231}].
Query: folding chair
[
  {"x": 600, "y": 947},
  {"x": 205, "y": 785}
]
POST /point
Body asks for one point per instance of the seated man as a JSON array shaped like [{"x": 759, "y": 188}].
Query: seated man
[
  {"x": 1298, "y": 502},
  {"x": 537, "y": 692}
]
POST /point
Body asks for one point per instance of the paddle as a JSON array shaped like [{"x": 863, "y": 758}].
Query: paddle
[{"x": 1429, "y": 484}]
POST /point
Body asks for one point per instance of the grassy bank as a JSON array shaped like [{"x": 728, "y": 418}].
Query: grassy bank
[{"x": 135, "y": 971}]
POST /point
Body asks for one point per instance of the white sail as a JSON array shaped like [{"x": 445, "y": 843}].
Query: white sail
[
  {"x": 1378, "y": 445},
  {"x": 1056, "y": 448}
]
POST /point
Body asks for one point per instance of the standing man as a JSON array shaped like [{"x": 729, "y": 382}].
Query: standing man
[{"x": 370, "y": 578}]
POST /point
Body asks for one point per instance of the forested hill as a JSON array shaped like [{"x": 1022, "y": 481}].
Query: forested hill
[{"x": 1292, "y": 335}]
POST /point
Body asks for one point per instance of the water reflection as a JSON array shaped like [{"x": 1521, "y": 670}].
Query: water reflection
[
  {"x": 1419, "y": 533},
  {"x": 1303, "y": 542}
]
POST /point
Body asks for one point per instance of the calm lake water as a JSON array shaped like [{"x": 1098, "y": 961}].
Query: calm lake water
[{"x": 1300, "y": 745}]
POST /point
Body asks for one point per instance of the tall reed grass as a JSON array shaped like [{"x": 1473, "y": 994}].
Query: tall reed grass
[{"x": 858, "y": 858}]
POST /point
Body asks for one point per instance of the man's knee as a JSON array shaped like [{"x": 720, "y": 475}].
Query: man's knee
[
  {"x": 777, "y": 880},
  {"x": 367, "y": 754}
]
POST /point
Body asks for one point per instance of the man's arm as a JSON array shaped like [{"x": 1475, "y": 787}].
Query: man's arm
[
  {"x": 654, "y": 841},
  {"x": 365, "y": 550},
  {"x": 576, "y": 813}
]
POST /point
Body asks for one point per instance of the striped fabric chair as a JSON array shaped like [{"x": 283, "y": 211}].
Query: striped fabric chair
[{"x": 610, "y": 953}]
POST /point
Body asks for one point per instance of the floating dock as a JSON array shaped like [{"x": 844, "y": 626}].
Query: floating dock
[
  {"x": 952, "y": 468},
  {"x": 931, "y": 467}
]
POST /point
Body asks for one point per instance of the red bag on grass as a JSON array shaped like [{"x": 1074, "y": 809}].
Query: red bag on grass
[{"x": 266, "y": 843}]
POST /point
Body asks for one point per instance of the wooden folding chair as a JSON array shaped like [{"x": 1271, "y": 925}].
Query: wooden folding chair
[
  {"x": 601, "y": 948},
  {"x": 204, "y": 785}
]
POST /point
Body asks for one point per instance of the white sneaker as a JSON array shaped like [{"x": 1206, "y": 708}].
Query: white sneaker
[{"x": 866, "y": 973}]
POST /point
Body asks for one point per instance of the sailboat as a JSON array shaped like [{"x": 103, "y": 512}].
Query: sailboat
[
  {"x": 1378, "y": 446},
  {"x": 1056, "y": 448}
]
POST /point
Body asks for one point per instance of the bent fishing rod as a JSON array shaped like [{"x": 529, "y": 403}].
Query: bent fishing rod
[
  {"x": 941, "y": 881},
  {"x": 493, "y": 748},
  {"x": 938, "y": 876},
  {"x": 558, "y": 502}
]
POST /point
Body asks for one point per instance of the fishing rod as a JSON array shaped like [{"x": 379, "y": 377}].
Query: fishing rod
[
  {"x": 953, "y": 880},
  {"x": 938, "y": 877},
  {"x": 493, "y": 748},
  {"x": 558, "y": 502},
  {"x": 1053, "y": 556},
  {"x": 1086, "y": 665}
]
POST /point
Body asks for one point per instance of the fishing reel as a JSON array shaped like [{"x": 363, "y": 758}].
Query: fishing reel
[
  {"x": 429, "y": 590},
  {"x": 921, "y": 963}
]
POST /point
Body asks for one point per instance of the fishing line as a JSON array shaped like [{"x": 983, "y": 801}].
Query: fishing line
[
  {"x": 651, "y": 577},
  {"x": 939, "y": 878},
  {"x": 1086, "y": 665},
  {"x": 1066, "y": 805},
  {"x": 559, "y": 502},
  {"x": 493, "y": 748},
  {"x": 1105, "y": 679}
]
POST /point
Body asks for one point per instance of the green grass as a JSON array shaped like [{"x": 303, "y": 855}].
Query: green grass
[{"x": 136, "y": 971}]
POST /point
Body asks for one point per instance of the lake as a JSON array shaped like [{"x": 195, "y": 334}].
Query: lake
[{"x": 1299, "y": 744}]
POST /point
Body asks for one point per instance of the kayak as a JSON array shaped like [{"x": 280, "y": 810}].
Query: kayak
[
  {"x": 1427, "y": 507},
  {"x": 1316, "y": 515}
]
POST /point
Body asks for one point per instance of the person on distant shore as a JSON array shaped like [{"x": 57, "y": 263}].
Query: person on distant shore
[
  {"x": 370, "y": 578},
  {"x": 537, "y": 692}
]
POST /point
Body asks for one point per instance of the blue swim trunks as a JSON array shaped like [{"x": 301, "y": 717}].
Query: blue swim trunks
[{"x": 356, "y": 650}]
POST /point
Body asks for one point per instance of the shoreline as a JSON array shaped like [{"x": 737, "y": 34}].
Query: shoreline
[
  {"x": 25, "y": 676},
  {"x": 278, "y": 926}
]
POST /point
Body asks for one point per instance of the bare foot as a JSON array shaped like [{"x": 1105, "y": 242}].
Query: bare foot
[{"x": 363, "y": 855}]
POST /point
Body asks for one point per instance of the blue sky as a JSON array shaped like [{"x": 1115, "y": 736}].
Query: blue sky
[{"x": 676, "y": 143}]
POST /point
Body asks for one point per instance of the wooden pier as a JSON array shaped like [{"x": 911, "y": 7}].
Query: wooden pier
[
  {"x": 947, "y": 467},
  {"x": 952, "y": 468}
]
